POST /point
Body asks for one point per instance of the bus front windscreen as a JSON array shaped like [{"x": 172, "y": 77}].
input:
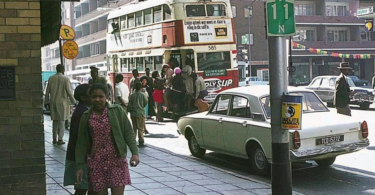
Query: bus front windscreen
[{"x": 214, "y": 61}]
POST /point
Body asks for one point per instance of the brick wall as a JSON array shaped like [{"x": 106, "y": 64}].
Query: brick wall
[{"x": 22, "y": 164}]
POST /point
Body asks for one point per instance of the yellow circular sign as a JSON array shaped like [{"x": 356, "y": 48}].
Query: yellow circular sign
[
  {"x": 67, "y": 32},
  {"x": 70, "y": 49}
]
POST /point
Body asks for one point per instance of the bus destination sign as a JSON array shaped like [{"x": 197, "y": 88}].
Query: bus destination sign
[{"x": 212, "y": 73}]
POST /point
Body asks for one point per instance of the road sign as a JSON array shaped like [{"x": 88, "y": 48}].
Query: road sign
[
  {"x": 280, "y": 18},
  {"x": 67, "y": 33},
  {"x": 70, "y": 49}
]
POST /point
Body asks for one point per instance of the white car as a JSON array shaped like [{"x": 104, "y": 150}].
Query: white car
[{"x": 238, "y": 124}]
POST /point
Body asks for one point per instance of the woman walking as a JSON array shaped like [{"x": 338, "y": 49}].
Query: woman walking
[
  {"x": 159, "y": 84},
  {"x": 104, "y": 134}
]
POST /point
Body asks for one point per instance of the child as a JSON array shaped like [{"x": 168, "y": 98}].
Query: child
[
  {"x": 137, "y": 103},
  {"x": 81, "y": 95}
]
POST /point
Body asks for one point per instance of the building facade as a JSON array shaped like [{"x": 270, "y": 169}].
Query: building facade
[{"x": 327, "y": 33}]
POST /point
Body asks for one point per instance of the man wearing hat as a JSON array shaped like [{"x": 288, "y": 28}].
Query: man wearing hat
[
  {"x": 95, "y": 78},
  {"x": 342, "y": 91}
]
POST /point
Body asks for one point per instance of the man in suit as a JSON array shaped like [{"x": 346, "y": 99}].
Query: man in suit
[
  {"x": 373, "y": 81},
  {"x": 342, "y": 91}
]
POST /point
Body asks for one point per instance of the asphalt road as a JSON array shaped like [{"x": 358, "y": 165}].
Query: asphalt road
[{"x": 351, "y": 174}]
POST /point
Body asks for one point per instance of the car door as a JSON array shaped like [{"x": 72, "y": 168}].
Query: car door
[
  {"x": 235, "y": 126},
  {"x": 212, "y": 124}
]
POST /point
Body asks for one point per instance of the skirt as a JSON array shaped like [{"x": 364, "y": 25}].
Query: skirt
[{"x": 158, "y": 96}]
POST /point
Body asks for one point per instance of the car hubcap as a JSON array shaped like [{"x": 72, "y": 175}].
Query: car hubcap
[
  {"x": 194, "y": 144},
  {"x": 259, "y": 159}
]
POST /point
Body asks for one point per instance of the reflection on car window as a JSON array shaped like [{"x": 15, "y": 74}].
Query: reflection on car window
[
  {"x": 354, "y": 78},
  {"x": 316, "y": 82},
  {"x": 222, "y": 104},
  {"x": 325, "y": 82},
  {"x": 332, "y": 82},
  {"x": 213, "y": 61},
  {"x": 310, "y": 103},
  {"x": 240, "y": 107}
]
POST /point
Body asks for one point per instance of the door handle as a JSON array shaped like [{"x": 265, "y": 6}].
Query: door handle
[
  {"x": 220, "y": 120},
  {"x": 244, "y": 123}
]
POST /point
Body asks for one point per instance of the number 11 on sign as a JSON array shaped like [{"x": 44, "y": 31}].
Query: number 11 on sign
[{"x": 280, "y": 18}]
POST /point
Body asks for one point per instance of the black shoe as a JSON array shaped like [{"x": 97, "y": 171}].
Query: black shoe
[
  {"x": 54, "y": 141},
  {"x": 146, "y": 132}
]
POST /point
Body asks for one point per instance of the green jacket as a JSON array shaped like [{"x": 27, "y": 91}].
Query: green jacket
[
  {"x": 137, "y": 103},
  {"x": 121, "y": 130}
]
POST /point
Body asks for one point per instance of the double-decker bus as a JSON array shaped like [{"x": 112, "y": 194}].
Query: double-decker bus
[{"x": 200, "y": 33}]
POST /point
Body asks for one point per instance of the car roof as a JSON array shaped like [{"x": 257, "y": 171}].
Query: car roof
[{"x": 259, "y": 90}]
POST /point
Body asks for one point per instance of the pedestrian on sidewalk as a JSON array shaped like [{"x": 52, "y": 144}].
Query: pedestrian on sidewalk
[
  {"x": 122, "y": 92},
  {"x": 343, "y": 94},
  {"x": 159, "y": 85},
  {"x": 81, "y": 94},
  {"x": 57, "y": 97},
  {"x": 134, "y": 80},
  {"x": 104, "y": 134},
  {"x": 137, "y": 103}
]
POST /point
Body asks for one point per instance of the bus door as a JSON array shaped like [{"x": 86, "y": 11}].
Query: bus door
[{"x": 176, "y": 54}]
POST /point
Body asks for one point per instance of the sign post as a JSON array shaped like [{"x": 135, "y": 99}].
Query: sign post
[{"x": 280, "y": 23}]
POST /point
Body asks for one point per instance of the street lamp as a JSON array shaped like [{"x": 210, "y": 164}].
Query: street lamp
[{"x": 250, "y": 8}]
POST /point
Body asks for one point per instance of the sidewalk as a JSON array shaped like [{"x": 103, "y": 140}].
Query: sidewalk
[{"x": 160, "y": 172}]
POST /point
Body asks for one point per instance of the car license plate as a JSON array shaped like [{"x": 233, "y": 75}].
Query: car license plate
[{"x": 330, "y": 139}]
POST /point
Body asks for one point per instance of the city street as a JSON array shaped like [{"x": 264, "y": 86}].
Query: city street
[{"x": 350, "y": 174}]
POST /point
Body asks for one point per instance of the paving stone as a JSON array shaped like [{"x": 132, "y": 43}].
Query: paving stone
[
  {"x": 171, "y": 169},
  {"x": 58, "y": 192},
  {"x": 141, "y": 180},
  {"x": 166, "y": 178},
  {"x": 237, "y": 192},
  {"x": 262, "y": 191},
  {"x": 192, "y": 189},
  {"x": 137, "y": 192},
  {"x": 250, "y": 185},
  {"x": 149, "y": 185},
  {"x": 156, "y": 174},
  {"x": 178, "y": 173},
  {"x": 162, "y": 191},
  {"x": 204, "y": 182},
  {"x": 221, "y": 187},
  {"x": 193, "y": 177},
  {"x": 161, "y": 165},
  {"x": 174, "y": 184},
  {"x": 205, "y": 193}
]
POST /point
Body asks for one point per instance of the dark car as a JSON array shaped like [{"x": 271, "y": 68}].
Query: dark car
[
  {"x": 324, "y": 87},
  {"x": 360, "y": 83}
]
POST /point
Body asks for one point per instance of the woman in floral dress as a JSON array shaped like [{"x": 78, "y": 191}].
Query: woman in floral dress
[{"x": 104, "y": 134}]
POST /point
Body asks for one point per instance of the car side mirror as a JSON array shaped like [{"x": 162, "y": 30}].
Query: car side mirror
[{"x": 258, "y": 117}]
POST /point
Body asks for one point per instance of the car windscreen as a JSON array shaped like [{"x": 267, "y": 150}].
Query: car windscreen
[
  {"x": 310, "y": 103},
  {"x": 350, "y": 82}
]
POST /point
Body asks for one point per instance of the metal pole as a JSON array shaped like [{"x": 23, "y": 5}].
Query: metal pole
[
  {"x": 290, "y": 68},
  {"x": 281, "y": 165},
  {"x": 249, "y": 50}
]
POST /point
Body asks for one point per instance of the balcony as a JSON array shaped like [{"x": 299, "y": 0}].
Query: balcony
[{"x": 319, "y": 20}]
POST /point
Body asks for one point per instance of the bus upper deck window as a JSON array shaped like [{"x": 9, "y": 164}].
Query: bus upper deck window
[
  {"x": 216, "y": 10},
  {"x": 148, "y": 17},
  {"x": 131, "y": 22},
  {"x": 157, "y": 14},
  {"x": 138, "y": 19},
  {"x": 123, "y": 22},
  {"x": 195, "y": 10},
  {"x": 166, "y": 12}
]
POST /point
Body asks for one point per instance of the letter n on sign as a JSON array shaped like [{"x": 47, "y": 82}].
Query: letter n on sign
[{"x": 7, "y": 83}]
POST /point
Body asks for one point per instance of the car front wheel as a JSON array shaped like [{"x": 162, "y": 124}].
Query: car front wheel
[
  {"x": 258, "y": 161},
  {"x": 326, "y": 162},
  {"x": 194, "y": 147}
]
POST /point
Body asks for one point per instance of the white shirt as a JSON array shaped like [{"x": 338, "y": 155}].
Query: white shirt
[{"x": 122, "y": 91}]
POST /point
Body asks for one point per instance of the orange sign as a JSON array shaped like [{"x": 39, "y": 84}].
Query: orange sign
[
  {"x": 67, "y": 33},
  {"x": 70, "y": 49}
]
